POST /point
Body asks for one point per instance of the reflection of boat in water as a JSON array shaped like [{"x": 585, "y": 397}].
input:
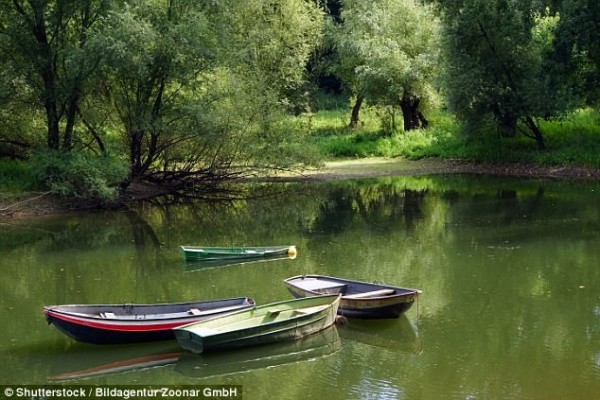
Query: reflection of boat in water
[
  {"x": 208, "y": 264},
  {"x": 310, "y": 347},
  {"x": 83, "y": 361},
  {"x": 397, "y": 335}
]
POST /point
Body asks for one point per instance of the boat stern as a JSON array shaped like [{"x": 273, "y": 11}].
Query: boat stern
[{"x": 188, "y": 340}]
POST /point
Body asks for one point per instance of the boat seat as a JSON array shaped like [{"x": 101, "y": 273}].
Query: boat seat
[
  {"x": 320, "y": 286},
  {"x": 206, "y": 331},
  {"x": 273, "y": 312},
  {"x": 310, "y": 310},
  {"x": 198, "y": 312},
  {"x": 107, "y": 315},
  {"x": 374, "y": 293}
]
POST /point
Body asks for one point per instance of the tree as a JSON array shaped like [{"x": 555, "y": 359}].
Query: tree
[
  {"x": 198, "y": 87},
  {"x": 49, "y": 42},
  {"x": 189, "y": 93},
  {"x": 576, "y": 61},
  {"x": 16, "y": 134},
  {"x": 156, "y": 50},
  {"x": 496, "y": 52},
  {"x": 388, "y": 54}
]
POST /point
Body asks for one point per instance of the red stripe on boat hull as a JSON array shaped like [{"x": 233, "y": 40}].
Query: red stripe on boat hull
[{"x": 121, "y": 326}]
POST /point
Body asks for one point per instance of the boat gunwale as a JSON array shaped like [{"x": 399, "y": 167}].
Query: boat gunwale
[
  {"x": 200, "y": 249},
  {"x": 409, "y": 293},
  {"x": 242, "y": 301},
  {"x": 123, "y": 328}
]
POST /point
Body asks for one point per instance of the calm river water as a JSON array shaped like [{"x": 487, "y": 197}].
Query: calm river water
[{"x": 509, "y": 271}]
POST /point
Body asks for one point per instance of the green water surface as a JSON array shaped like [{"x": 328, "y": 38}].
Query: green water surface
[{"x": 509, "y": 270}]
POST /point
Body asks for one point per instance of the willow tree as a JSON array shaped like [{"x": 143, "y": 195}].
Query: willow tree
[
  {"x": 576, "y": 61},
  {"x": 496, "y": 52},
  {"x": 49, "y": 43},
  {"x": 197, "y": 86},
  {"x": 265, "y": 49},
  {"x": 156, "y": 52},
  {"x": 388, "y": 54}
]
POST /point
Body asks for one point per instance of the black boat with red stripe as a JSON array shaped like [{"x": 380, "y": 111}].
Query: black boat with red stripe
[{"x": 132, "y": 323}]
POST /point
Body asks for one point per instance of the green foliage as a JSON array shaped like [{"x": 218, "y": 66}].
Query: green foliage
[
  {"x": 575, "y": 63},
  {"x": 387, "y": 51},
  {"x": 495, "y": 55},
  {"x": 76, "y": 174},
  {"x": 50, "y": 47},
  {"x": 203, "y": 87},
  {"x": 15, "y": 176},
  {"x": 274, "y": 39},
  {"x": 186, "y": 88}
]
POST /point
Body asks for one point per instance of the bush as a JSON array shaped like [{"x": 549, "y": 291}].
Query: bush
[
  {"x": 15, "y": 176},
  {"x": 77, "y": 174}
]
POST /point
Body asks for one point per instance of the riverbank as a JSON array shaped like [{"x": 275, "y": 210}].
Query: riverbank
[
  {"x": 37, "y": 204},
  {"x": 380, "y": 166}
]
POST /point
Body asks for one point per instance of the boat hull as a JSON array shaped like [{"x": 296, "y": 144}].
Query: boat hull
[
  {"x": 391, "y": 305},
  {"x": 290, "y": 322},
  {"x": 192, "y": 253},
  {"x": 133, "y": 323}
]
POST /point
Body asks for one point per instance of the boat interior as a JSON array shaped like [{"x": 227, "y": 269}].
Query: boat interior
[
  {"x": 260, "y": 317},
  {"x": 349, "y": 291}
]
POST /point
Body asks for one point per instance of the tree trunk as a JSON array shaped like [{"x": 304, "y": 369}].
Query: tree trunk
[
  {"x": 507, "y": 122},
  {"x": 413, "y": 117},
  {"x": 72, "y": 107},
  {"x": 52, "y": 122},
  {"x": 135, "y": 150},
  {"x": 537, "y": 133},
  {"x": 356, "y": 110},
  {"x": 47, "y": 72}
]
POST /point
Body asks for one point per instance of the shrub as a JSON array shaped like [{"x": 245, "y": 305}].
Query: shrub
[
  {"x": 77, "y": 174},
  {"x": 15, "y": 176}
]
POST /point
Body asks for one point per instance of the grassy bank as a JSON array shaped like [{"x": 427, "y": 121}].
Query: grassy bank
[{"x": 572, "y": 141}]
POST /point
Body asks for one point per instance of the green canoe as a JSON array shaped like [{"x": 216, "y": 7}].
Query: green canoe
[
  {"x": 195, "y": 253},
  {"x": 269, "y": 323}
]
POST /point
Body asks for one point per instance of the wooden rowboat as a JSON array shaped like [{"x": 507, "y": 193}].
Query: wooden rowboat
[
  {"x": 130, "y": 323},
  {"x": 270, "y": 323},
  {"x": 195, "y": 253},
  {"x": 359, "y": 299}
]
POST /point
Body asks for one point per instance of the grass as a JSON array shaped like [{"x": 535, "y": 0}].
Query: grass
[{"x": 571, "y": 141}]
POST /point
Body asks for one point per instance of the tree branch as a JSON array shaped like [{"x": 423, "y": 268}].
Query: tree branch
[{"x": 11, "y": 209}]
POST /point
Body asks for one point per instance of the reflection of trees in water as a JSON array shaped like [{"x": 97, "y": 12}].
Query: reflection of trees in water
[
  {"x": 381, "y": 206},
  {"x": 519, "y": 254},
  {"x": 257, "y": 220},
  {"x": 143, "y": 233}
]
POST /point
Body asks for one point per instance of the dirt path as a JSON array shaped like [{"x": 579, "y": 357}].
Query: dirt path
[{"x": 374, "y": 167}]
